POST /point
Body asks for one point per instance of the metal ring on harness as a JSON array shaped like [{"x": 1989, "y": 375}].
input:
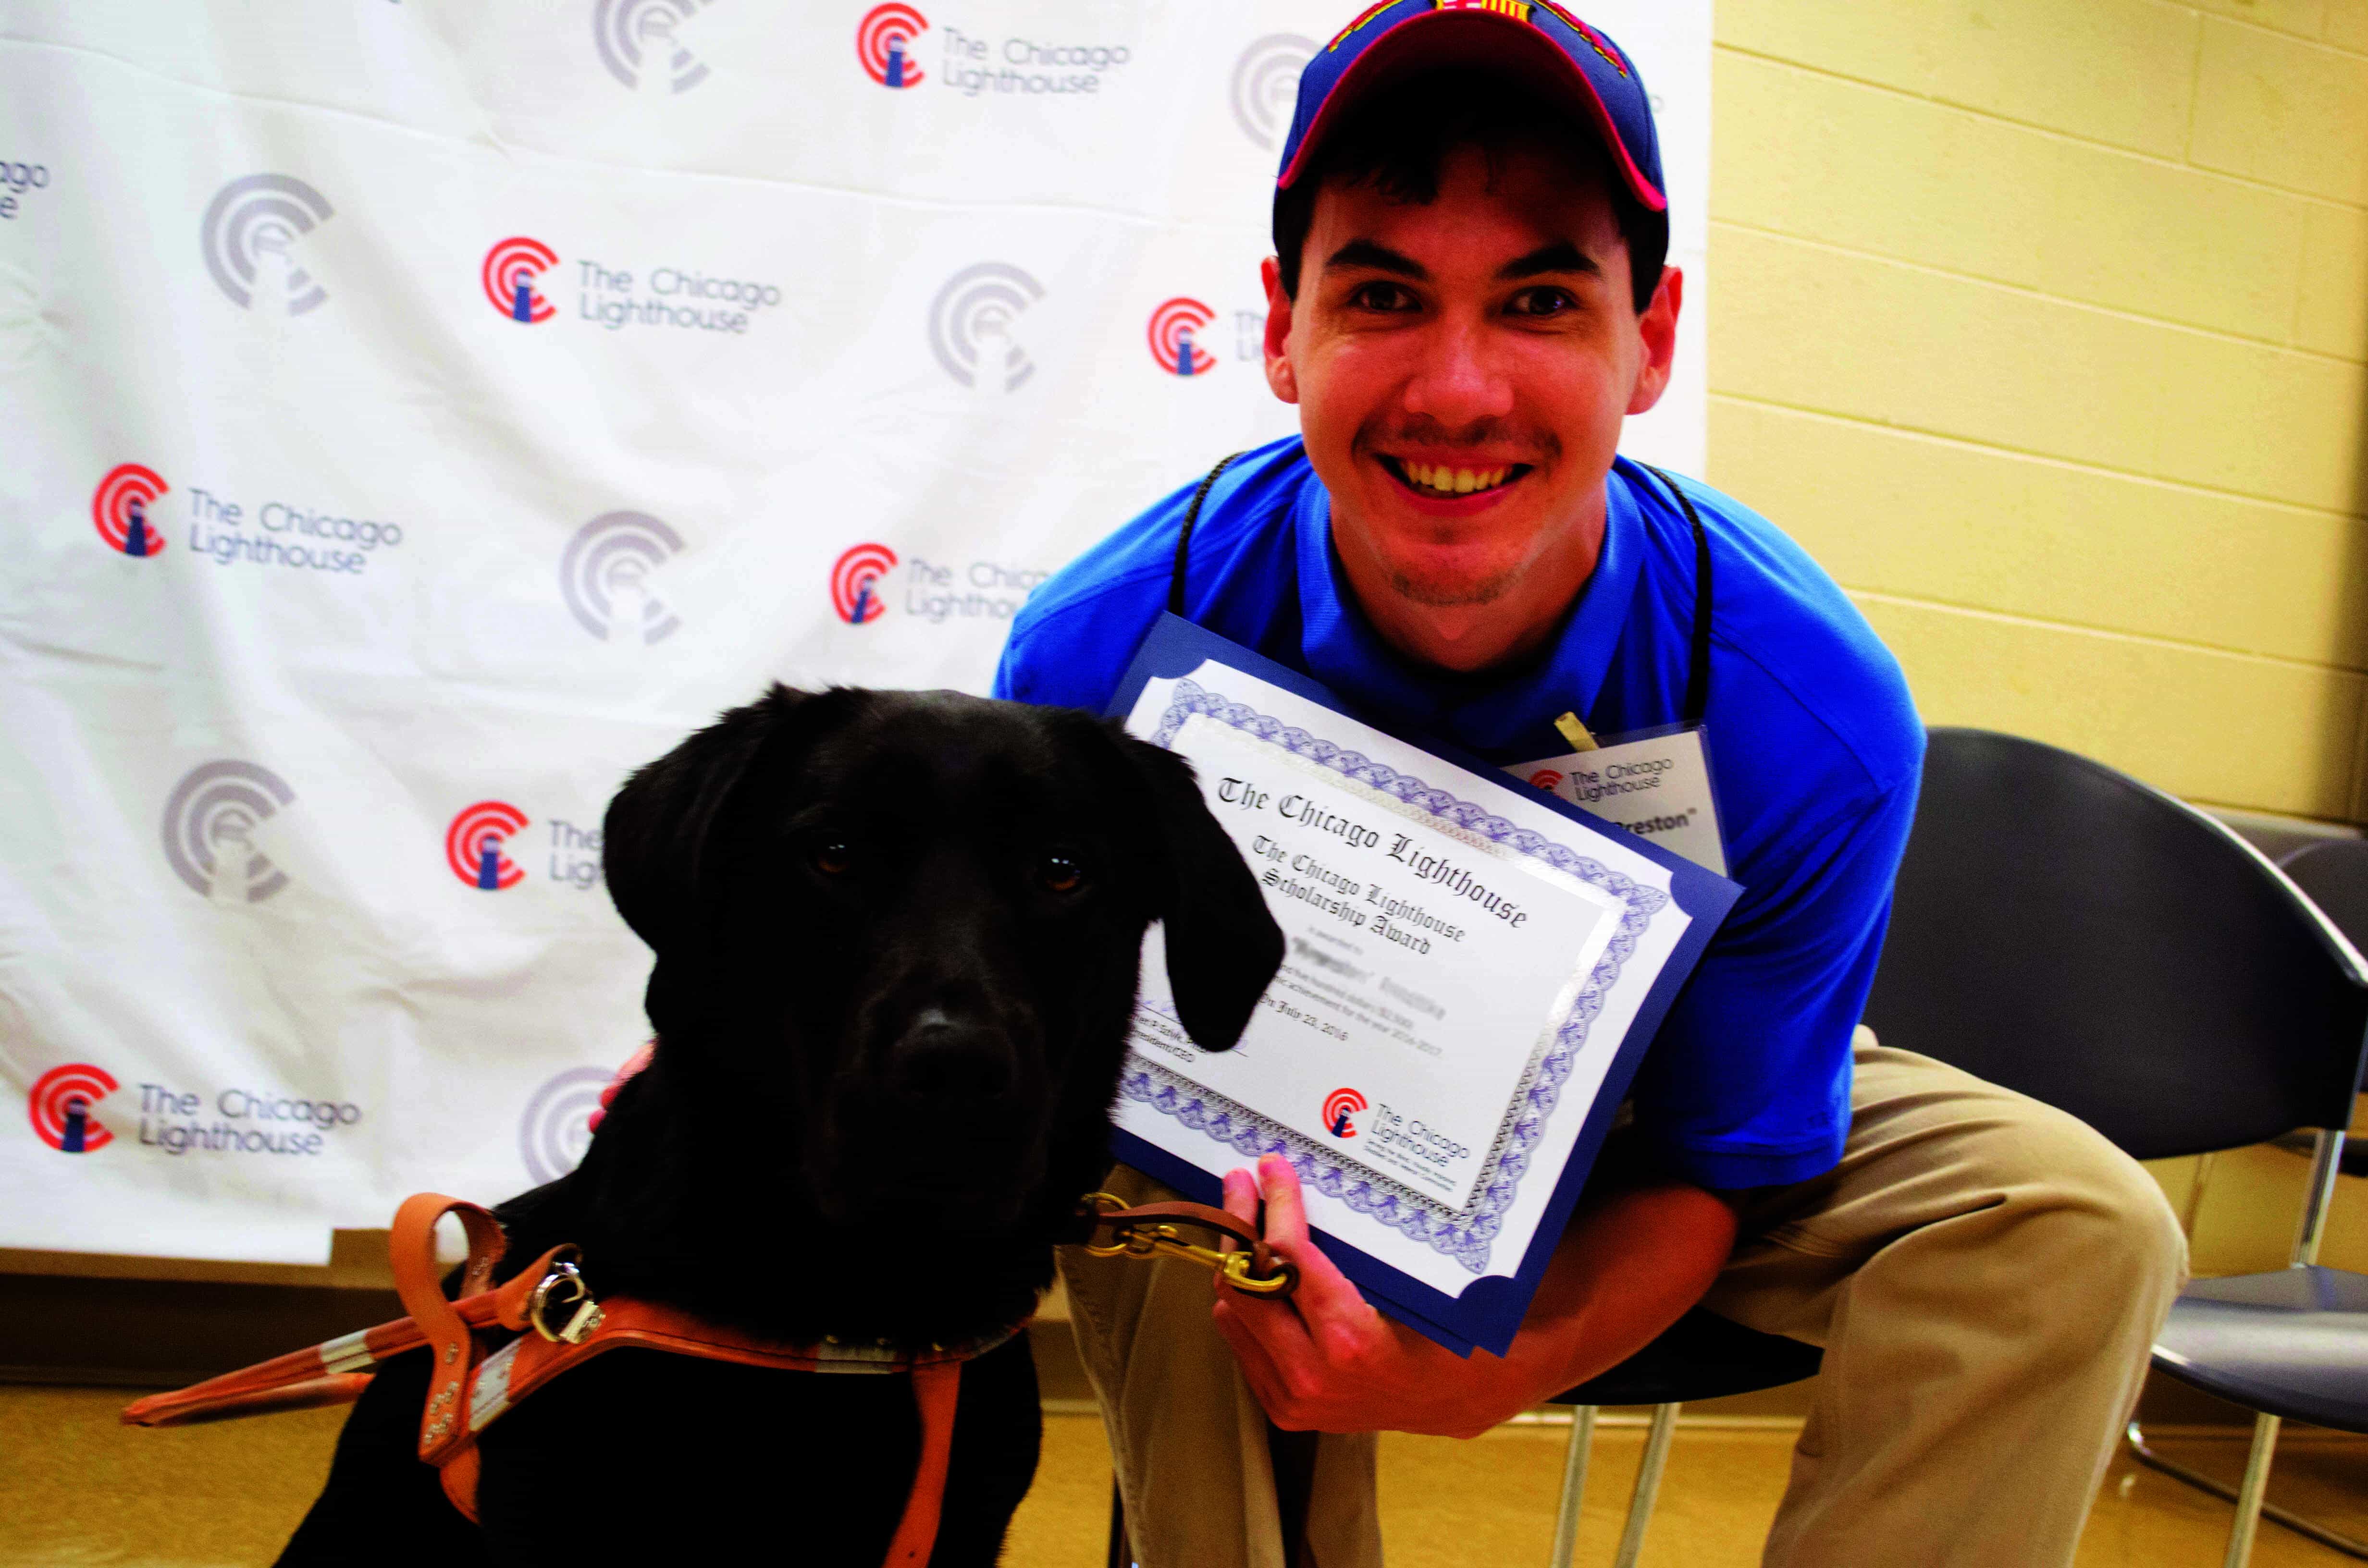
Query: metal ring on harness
[
  {"x": 580, "y": 1322},
  {"x": 1151, "y": 1231}
]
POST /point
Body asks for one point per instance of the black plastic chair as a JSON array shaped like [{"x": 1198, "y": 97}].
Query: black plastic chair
[
  {"x": 2066, "y": 931},
  {"x": 2334, "y": 872},
  {"x": 1701, "y": 1356}
]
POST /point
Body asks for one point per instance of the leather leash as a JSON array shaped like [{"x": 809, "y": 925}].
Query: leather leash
[{"x": 1150, "y": 1230}]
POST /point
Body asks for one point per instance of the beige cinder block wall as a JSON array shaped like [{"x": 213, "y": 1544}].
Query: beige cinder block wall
[{"x": 2043, "y": 324}]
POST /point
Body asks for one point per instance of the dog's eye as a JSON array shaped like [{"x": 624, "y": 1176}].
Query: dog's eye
[
  {"x": 1059, "y": 873},
  {"x": 834, "y": 859}
]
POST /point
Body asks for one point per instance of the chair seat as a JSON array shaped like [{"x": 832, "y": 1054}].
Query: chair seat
[
  {"x": 2293, "y": 1343},
  {"x": 1701, "y": 1356}
]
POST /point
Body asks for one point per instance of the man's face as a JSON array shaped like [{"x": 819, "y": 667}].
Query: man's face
[{"x": 1462, "y": 368}]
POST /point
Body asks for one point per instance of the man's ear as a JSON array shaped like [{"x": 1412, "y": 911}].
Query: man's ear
[
  {"x": 1280, "y": 377},
  {"x": 1223, "y": 945},
  {"x": 654, "y": 842},
  {"x": 1657, "y": 331}
]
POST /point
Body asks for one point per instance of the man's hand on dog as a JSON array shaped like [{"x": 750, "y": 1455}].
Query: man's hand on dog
[{"x": 1324, "y": 1360}]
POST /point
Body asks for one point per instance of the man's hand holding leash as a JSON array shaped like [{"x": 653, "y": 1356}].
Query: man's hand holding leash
[{"x": 1326, "y": 1360}]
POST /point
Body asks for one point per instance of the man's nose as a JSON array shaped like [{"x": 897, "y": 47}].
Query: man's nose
[
  {"x": 943, "y": 1062},
  {"x": 1457, "y": 383}
]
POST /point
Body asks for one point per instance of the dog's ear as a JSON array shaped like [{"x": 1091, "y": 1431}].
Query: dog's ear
[
  {"x": 654, "y": 842},
  {"x": 1222, "y": 946}
]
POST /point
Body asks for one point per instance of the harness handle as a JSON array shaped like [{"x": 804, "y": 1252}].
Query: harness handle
[{"x": 410, "y": 1247}]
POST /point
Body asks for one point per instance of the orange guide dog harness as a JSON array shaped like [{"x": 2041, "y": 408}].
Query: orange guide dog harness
[
  {"x": 493, "y": 1348},
  {"x": 487, "y": 1360}
]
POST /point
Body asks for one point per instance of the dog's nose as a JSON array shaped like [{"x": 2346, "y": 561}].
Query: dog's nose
[{"x": 943, "y": 1064}]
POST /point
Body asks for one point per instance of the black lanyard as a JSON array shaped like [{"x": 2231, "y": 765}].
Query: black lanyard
[{"x": 1697, "y": 669}]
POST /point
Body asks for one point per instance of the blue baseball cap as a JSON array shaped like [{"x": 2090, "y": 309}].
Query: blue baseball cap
[{"x": 1537, "y": 44}]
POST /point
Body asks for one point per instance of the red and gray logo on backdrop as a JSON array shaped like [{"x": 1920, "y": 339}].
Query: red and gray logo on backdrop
[
  {"x": 509, "y": 274},
  {"x": 214, "y": 830},
  {"x": 637, "y": 43},
  {"x": 556, "y": 1128},
  {"x": 60, "y": 1104},
  {"x": 1266, "y": 86},
  {"x": 251, "y": 237},
  {"x": 884, "y": 43},
  {"x": 855, "y": 594},
  {"x": 1174, "y": 336},
  {"x": 476, "y": 845},
  {"x": 120, "y": 509},
  {"x": 974, "y": 326},
  {"x": 610, "y": 577}
]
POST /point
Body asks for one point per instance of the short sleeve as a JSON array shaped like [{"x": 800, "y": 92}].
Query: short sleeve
[{"x": 1748, "y": 1082}]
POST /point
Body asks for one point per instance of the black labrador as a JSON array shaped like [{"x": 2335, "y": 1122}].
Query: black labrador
[{"x": 897, "y": 938}]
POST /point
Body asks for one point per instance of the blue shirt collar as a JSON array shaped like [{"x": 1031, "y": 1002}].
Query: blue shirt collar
[{"x": 1506, "y": 716}]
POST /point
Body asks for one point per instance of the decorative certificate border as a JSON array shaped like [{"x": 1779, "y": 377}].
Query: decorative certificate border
[{"x": 1465, "y": 1234}]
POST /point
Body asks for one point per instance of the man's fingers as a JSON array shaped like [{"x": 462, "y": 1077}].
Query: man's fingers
[
  {"x": 1286, "y": 1212},
  {"x": 1324, "y": 1290},
  {"x": 1241, "y": 1200}
]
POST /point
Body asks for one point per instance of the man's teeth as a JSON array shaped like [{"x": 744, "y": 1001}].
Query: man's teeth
[{"x": 1454, "y": 481}]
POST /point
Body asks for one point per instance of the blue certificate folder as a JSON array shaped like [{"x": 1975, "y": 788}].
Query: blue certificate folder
[{"x": 1487, "y": 1313}]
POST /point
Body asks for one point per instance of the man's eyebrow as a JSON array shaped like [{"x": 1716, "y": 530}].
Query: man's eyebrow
[
  {"x": 1380, "y": 257},
  {"x": 1560, "y": 257}
]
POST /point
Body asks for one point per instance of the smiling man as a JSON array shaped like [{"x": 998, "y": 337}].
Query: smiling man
[{"x": 1467, "y": 299}]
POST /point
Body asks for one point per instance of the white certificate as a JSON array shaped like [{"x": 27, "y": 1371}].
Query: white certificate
[{"x": 1465, "y": 962}]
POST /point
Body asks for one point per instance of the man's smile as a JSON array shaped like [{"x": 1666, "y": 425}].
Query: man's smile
[{"x": 1440, "y": 482}]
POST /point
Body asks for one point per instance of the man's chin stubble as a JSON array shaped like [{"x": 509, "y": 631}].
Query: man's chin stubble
[{"x": 1452, "y": 594}]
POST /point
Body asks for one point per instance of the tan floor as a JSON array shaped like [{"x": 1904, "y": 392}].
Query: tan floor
[{"x": 77, "y": 1489}]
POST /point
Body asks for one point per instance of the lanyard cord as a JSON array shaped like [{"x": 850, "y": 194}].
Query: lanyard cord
[
  {"x": 1184, "y": 537},
  {"x": 1698, "y": 669},
  {"x": 1698, "y": 666}
]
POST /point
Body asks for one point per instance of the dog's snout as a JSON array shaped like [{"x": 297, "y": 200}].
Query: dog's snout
[{"x": 944, "y": 1063}]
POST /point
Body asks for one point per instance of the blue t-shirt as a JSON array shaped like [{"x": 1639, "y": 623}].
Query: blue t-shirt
[{"x": 1815, "y": 746}]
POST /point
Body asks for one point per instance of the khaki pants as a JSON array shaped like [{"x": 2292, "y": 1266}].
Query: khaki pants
[{"x": 1986, "y": 1274}]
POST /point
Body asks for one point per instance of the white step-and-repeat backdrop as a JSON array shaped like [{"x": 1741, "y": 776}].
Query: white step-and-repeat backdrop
[{"x": 415, "y": 414}]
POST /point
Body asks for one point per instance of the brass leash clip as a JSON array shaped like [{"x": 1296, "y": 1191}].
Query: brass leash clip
[
  {"x": 561, "y": 1289},
  {"x": 1146, "y": 1236}
]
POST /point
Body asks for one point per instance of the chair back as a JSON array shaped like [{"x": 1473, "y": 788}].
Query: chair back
[
  {"x": 2334, "y": 873},
  {"x": 2061, "y": 929}
]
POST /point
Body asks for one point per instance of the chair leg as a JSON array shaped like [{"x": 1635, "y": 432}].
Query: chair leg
[
  {"x": 2250, "y": 1497},
  {"x": 1573, "y": 1484},
  {"x": 1648, "y": 1485},
  {"x": 2335, "y": 1540}
]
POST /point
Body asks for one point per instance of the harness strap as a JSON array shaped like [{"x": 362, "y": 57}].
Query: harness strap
[
  {"x": 487, "y": 1384},
  {"x": 936, "y": 1391}
]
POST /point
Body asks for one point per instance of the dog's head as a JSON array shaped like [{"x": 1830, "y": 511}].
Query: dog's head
[{"x": 903, "y": 929}]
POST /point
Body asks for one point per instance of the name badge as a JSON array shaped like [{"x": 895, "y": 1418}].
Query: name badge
[{"x": 1656, "y": 787}]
